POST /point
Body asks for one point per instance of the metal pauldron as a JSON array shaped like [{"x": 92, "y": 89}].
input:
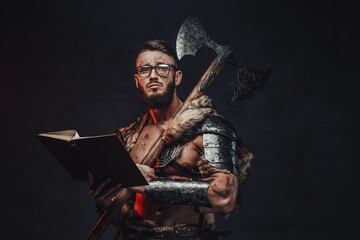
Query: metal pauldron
[
  {"x": 220, "y": 143},
  {"x": 179, "y": 191}
]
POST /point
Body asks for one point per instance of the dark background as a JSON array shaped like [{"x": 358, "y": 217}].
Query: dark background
[{"x": 69, "y": 65}]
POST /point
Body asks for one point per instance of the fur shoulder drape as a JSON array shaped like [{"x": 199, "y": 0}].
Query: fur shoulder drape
[{"x": 198, "y": 109}]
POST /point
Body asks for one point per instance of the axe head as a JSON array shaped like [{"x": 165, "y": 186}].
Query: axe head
[
  {"x": 249, "y": 81},
  {"x": 192, "y": 36}
]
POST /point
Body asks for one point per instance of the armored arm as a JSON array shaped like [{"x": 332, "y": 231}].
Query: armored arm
[
  {"x": 220, "y": 162},
  {"x": 179, "y": 191},
  {"x": 219, "y": 167},
  {"x": 220, "y": 143}
]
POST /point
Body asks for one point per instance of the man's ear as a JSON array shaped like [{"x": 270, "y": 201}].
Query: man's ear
[
  {"x": 136, "y": 81},
  {"x": 178, "y": 77}
]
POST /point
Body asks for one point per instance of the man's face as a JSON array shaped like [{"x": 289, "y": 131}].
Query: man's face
[{"x": 157, "y": 91}]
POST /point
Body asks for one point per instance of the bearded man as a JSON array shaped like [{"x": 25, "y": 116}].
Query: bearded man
[{"x": 197, "y": 174}]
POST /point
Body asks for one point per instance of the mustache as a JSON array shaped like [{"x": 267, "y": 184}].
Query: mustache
[{"x": 154, "y": 83}]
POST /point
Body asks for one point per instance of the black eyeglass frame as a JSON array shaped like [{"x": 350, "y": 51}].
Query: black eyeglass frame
[{"x": 154, "y": 67}]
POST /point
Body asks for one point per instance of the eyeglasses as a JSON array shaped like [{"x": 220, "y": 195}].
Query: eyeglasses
[{"x": 161, "y": 69}]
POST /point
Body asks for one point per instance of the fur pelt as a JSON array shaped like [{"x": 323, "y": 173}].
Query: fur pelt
[
  {"x": 183, "y": 124},
  {"x": 198, "y": 110}
]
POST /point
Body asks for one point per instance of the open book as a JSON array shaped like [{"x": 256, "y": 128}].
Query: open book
[{"x": 104, "y": 156}]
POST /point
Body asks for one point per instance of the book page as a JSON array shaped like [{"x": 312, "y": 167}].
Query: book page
[{"x": 66, "y": 135}]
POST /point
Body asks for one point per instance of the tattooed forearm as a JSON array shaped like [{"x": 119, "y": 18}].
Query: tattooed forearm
[
  {"x": 225, "y": 187},
  {"x": 230, "y": 183},
  {"x": 220, "y": 191}
]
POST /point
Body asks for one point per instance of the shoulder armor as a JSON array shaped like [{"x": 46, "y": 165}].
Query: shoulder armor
[
  {"x": 218, "y": 125},
  {"x": 220, "y": 143}
]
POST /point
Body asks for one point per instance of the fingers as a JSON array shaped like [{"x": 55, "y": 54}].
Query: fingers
[
  {"x": 102, "y": 194},
  {"x": 152, "y": 173},
  {"x": 146, "y": 171},
  {"x": 143, "y": 168},
  {"x": 99, "y": 188},
  {"x": 138, "y": 189},
  {"x": 105, "y": 200},
  {"x": 115, "y": 194},
  {"x": 112, "y": 191}
]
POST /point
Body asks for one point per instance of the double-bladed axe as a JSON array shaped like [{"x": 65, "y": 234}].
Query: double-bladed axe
[{"x": 190, "y": 39}]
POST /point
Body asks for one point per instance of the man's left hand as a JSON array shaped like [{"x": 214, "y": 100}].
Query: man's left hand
[{"x": 148, "y": 173}]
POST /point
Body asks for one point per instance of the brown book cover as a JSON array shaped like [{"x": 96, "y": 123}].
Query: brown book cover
[{"x": 104, "y": 156}]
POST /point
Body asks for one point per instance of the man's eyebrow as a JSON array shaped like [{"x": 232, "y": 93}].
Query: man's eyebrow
[{"x": 156, "y": 63}]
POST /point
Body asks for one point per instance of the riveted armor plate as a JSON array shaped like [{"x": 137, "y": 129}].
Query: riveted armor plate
[
  {"x": 220, "y": 143},
  {"x": 179, "y": 191}
]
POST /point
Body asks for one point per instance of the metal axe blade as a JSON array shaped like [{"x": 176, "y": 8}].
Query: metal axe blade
[{"x": 192, "y": 36}]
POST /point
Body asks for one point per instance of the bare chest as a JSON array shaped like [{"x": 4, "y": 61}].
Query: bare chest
[{"x": 188, "y": 158}]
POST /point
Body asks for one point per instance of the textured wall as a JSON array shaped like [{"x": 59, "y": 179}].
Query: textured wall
[{"x": 69, "y": 65}]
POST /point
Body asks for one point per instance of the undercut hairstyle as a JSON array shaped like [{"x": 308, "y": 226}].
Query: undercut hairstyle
[{"x": 159, "y": 45}]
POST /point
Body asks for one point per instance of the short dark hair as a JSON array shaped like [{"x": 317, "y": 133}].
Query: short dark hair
[{"x": 159, "y": 45}]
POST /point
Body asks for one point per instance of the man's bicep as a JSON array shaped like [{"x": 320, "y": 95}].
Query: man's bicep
[{"x": 198, "y": 141}]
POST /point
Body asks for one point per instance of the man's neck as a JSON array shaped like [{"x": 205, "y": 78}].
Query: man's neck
[{"x": 160, "y": 115}]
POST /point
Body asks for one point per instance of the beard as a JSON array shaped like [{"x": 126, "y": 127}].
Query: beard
[{"x": 158, "y": 101}]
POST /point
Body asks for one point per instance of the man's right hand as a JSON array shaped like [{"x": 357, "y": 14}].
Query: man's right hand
[{"x": 103, "y": 196}]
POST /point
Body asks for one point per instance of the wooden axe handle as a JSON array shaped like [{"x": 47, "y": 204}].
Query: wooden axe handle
[
  {"x": 149, "y": 159},
  {"x": 110, "y": 214}
]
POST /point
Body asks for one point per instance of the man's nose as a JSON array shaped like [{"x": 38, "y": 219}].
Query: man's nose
[{"x": 153, "y": 74}]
